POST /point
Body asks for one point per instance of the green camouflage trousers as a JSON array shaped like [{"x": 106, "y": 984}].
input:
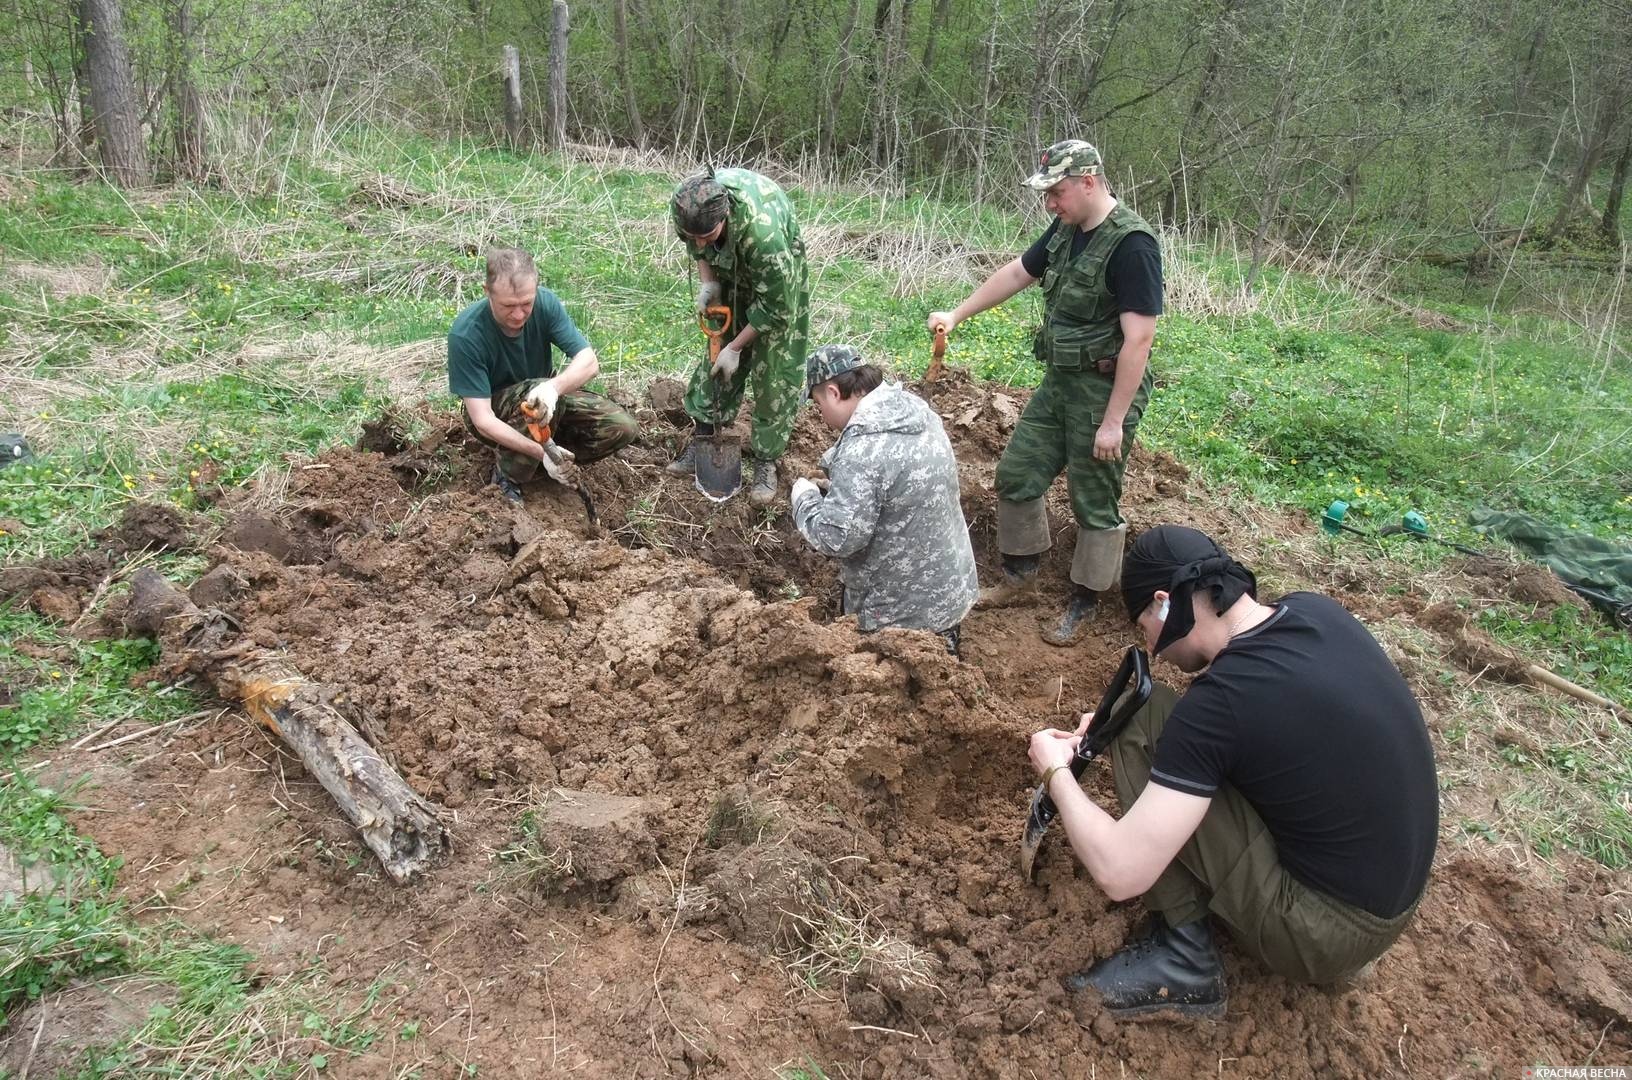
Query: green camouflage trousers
[
  {"x": 590, "y": 426},
  {"x": 1229, "y": 867},
  {"x": 1055, "y": 434},
  {"x": 775, "y": 366}
]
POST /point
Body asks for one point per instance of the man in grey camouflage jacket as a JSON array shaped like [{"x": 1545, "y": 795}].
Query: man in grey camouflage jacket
[{"x": 891, "y": 513}]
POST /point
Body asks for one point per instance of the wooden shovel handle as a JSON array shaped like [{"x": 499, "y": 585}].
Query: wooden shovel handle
[{"x": 937, "y": 356}]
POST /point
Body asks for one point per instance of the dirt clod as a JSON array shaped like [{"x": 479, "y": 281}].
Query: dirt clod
[{"x": 705, "y": 825}]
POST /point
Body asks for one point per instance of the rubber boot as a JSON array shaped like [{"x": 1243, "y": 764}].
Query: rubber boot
[
  {"x": 1018, "y": 581},
  {"x": 1079, "y": 612},
  {"x": 1176, "y": 969},
  {"x": 686, "y": 463},
  {"x": 762, "y": 491}
]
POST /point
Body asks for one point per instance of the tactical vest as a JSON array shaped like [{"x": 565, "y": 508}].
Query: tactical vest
[{"x": 1081, "y": 324}]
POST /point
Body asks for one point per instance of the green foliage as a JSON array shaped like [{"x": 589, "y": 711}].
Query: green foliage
[{"x": 88, "y": 687}]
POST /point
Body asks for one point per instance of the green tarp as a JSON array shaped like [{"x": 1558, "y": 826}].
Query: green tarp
[{"x": 1595, "y": 568}]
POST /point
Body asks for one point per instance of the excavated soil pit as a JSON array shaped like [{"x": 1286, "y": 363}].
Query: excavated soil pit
[{"x": 702, "y": 826}]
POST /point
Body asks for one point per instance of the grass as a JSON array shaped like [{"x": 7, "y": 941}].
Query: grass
[
  {"x": 531, "y": 860},
  {"x": 216, "y": 1018},
  {"x": 156, "y": 347}
]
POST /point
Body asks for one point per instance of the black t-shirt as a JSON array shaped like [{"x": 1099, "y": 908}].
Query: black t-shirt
[
  {"x": 1307, "y": 717},
  {"x": 1133, "y": 273}
]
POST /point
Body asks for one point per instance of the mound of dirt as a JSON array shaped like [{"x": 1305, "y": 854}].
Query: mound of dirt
[
  {"x": 58, "y": 589},
  {"x": 1525, "y": 583},
  {"x": 749, "y": 833}
]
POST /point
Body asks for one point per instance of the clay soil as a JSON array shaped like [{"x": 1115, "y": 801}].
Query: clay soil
[{"x": 703, "y": 826}]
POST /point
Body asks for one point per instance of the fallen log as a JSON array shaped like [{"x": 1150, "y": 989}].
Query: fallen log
[{"x": 394, "y": 821}]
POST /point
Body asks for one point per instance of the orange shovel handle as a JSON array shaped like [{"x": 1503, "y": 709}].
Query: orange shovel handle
[
  {"x": 539, "y": 432},
  {"x": 705, "y": 322}
]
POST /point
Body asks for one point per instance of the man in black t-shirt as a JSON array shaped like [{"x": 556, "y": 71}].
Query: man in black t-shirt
[
  {"x": 1291, "y": 791},
  {"x": 1101, "y": 276}
]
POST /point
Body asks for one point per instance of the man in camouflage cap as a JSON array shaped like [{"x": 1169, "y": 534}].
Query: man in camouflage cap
[
  {"x": 1101, "y": 273},
  {"x": 740, "y": 229},
  {"x": 891, "y": 514}
]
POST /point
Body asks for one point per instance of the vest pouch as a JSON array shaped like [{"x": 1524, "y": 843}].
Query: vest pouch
[{"x": 1059, "y": 350}]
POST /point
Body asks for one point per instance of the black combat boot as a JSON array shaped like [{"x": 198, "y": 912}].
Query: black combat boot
[
  {"x": 686, "y": 463},
  {"x": 1019, "y": 578},
  {"x": 1175, "y": 969},
  {"x": 1073, "y": 624}
]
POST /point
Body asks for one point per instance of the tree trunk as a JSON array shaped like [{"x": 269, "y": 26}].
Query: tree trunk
[
  {"x": 1096, "y": 62},
  {"x": 1046, "y": 53},
  {"x": 192, "y": 161},
  {"x": 826, "y": 138},
  {"x": 878, "y": 75},
  {"x": 1611, "y": 225},
  {"x": 30, "y": 80},
  {"x": 1608, "y": 112},
  {"x": 1269, "y": 203},
  {"x": 620, "y": 43},
  {"x": 397, "y": 825},
  {"x": 115, "y": 116},
  {"x": 558, "y": 74},
  {"x": 984, "y": 118},
  {"x": 926, "y": 63},
  {"x": 515, "y": 128},
  {"x": 1177, "y": 198}
]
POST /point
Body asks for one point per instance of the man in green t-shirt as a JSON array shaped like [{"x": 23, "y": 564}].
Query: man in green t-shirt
[{"x": 499, "y": 359}]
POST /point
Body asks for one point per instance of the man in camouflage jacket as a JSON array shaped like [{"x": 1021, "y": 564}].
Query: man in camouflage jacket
[
  {"x": 891, "y": 514},
  {"x": 740, "y": 229}
]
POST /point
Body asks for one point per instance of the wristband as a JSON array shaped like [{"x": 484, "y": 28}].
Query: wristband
[{"x": 1048, "y": 774}]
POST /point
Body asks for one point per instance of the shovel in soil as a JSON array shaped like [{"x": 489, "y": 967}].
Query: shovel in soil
[
  {"x": 540, "y": 433},
  {"x": 937, "y": 356},
  {"x": 719, "y": 455},
  {"x": 1127, "y": 694}
]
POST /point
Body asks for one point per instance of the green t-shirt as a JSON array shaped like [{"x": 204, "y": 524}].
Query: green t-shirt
[{"x": 483, "y": 359}]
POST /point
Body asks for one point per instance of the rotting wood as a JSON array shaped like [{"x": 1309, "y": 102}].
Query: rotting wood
[{"x": 399, "y": 826}]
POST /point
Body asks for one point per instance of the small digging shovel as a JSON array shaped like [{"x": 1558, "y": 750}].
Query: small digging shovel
[
  {"x": 937, "y": 356},
  {"x": 719, "y": 456},
  {"x": 1126, "y": 695},
  {"x": 541, "y": 434}
]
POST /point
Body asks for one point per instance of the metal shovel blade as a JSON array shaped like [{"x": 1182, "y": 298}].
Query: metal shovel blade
[
  {"x": 1042, "y": 813},
  {"x": 1130, "y": 689},
  {"x": 719, "y": 466}
]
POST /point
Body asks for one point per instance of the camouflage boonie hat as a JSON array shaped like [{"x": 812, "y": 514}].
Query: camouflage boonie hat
[
  {"x": 1071, "y": 157},
  {"x": 827, "y": 362},
  {"x": 699, "y": 204}
]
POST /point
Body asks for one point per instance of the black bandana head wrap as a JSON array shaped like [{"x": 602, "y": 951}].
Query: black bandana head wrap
[{"x": 1183, "y": 562}]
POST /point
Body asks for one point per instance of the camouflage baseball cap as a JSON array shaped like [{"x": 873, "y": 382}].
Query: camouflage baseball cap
[
  {"x": 1072, "y": 157},
  {"x": 699, "y": 204},
  {"x": 828, "y": 362}
]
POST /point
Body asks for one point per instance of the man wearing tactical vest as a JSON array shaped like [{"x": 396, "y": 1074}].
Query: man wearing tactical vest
[{"x": 1101, "y": 272}]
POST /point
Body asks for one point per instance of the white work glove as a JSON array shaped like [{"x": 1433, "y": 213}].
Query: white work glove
[
  {"x": 558, "y": 463},
  {"x": 725, "y": 365},
  {"x": 800, "y": 487},
  {"x": 543, "y": 397},
  {"x": 708, "y": 296}
]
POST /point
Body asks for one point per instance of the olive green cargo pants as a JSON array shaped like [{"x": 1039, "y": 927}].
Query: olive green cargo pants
[{"x": 1230, "y": 868}]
